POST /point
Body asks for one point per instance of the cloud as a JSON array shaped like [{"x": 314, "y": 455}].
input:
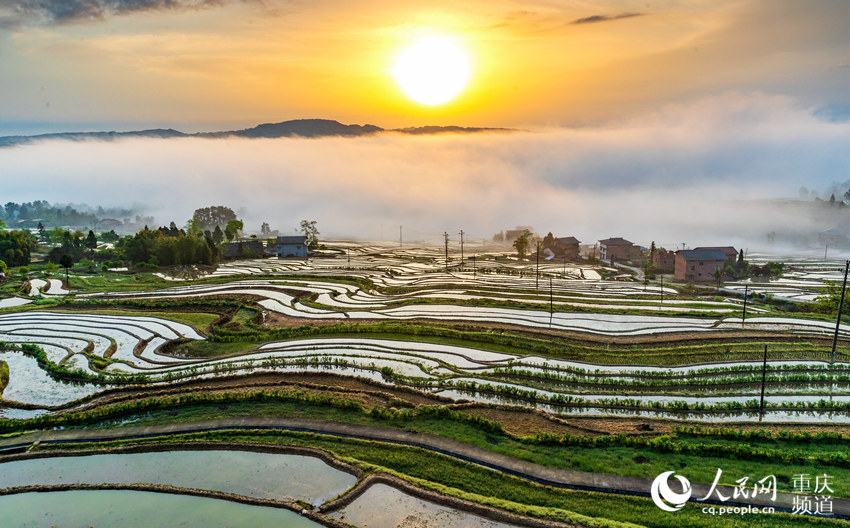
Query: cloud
[
  {"x": 604, "y": 18},
  {"x": 701, "y": 173},
  {"x": 56, "y": 12}
]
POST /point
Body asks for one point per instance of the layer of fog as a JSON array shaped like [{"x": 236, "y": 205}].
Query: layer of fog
[{"x": 696, "y": 173}]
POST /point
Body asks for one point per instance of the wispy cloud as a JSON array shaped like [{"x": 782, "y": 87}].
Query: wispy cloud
[
  {"x": 57, "y": 12},
  {"x": 604, "y": 18}
]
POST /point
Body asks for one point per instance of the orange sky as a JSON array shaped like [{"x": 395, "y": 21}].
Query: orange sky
[{"x": 534, "y": 64}]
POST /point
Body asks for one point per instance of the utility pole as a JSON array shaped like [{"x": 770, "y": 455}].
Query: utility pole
[
  {"x": 473, "y": 267},
  {"x": 551, "y": 306},
  {"x": 662, "y": 287},
  {"x": 683, "y": 246},
  {"x": 746, "y": 293},
  {"x": 348, "y": 254},
  {"x": 763, "y": 378},
  {"x": 446, "y": 236},
  {"x": 840, "y": 306},
  {"x": 399, "y": 236},
  {"x": 461, "y": 249},
  {"x": 537, "y": 274},
  {"x": 825, "y": 249},
  {"x": 551, "y": 309}
]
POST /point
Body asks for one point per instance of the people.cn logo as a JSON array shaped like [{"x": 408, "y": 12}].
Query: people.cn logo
[{"x": 662, "y": 494}]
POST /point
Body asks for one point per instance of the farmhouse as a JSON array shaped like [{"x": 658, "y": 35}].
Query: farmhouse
[
  {"x": 291, "y": 246},
  {"x": 618, "y": 249},
  {"x": 566, "y": 247},
  {"x": 665, "y": 260},
  {"x": 699, "y": 265}
]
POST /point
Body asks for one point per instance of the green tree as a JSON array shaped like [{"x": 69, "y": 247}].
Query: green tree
[
  {"x": 309, "y": 230},
  {"x": 521, "y": 244},
  {"x": 91, "y": 240},
  {"x": 233, "y": 228},
  {"x": 24, "y": 271},
  {"x": 16, "y": 246},
  {"x": 49, "y": 269},
  {"x": 210, "y": 217},
  {"x": 831, "y": 297},
  {"x": 3, "y": 267},
  {"x": 66, "y": 261},
  {"x": 193, "y": 228},
  {"x": 56, "y": 234},
  {"x": 218, "y": 235},
  {"x": 88, "y": 265}
]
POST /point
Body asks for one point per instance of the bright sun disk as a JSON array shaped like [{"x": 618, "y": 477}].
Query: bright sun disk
[{"x": 432, "y": 70}]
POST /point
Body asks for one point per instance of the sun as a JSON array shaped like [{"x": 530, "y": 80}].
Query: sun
[{"x": 432, "y": 71}]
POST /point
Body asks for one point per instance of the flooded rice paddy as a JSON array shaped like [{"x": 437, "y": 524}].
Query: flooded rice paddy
[{"x": 138, "y": 509}]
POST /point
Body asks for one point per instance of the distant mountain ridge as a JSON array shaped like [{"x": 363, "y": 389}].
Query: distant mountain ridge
[{"x": 307, "y": 128}]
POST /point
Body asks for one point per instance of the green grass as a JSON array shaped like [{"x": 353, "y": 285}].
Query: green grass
[
  {"x": 615, "y": 455},
  {"x": 244, "y": 318},
  {"x": 200, "y": 321},
  {"x": 4, "y": 376},
  {"x": 465, "y": 480},
  {"x": 214, "y": 349},
  {"x": 117, "y": 281}
]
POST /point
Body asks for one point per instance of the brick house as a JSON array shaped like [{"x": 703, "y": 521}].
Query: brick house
[
  {"x": 566, "y": 247},
  {"x": 699, "y": 265},
  {"x": 665, "y": 260},
  {"x": 619, "y": 249}
]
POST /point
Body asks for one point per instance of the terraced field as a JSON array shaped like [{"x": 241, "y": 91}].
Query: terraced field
[
  {"x": 802, "y": 281},
  {"x": 495, "y": 354},
  {"x": 366, "y": 286}
]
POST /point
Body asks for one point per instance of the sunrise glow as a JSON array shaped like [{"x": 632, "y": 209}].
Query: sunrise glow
[{"x": 432, "y": 70}]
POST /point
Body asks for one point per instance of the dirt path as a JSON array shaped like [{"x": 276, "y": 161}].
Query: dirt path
[{"x": 455, "y": 449}]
